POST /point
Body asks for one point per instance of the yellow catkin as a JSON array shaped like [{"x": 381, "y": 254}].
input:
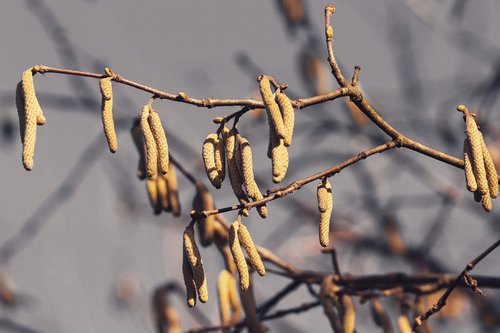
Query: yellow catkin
[
  {"x": 229, "y": 137},
  {"x": 470, "y": 180},
  {"x": 188, "y": 281},
  {"x": 172, "y": 319},
  {"x": 194, "y": 259},
  {"x": 223, "y": 285},
  {"x": 486, "y": 202},
  {"x": 273, "y": 111},
  {"x": 475, "y": 140},
  {"x": 279, "y": 161},
  {"x": 107, "y": 114},
  {"x": 349, "y": 316},
  {"x": 208, "y": 153},
  {"x": 137, "y": 137},
  {"x": 246, "y": 240},
  {"x": 404, "y": 324},
  {"x": 173, "y": 192},
  {"x": 325, "y": 206},
  {"x": 162, "y": 185},
  {"x": 491, "y": 172},
  {"x": 206, "y": 226},
  {"x": 220, "y": 158},
  {"x": 152, "y": 189},
  {"x": 234, "y": 299},
  {"x": 329, "y": 301},
  {"x": 247, "y": 168},
  {"x": 160, "y": 139},
  {"x": 286, "y": 108},
  {"x": 150, "y": 143},
  {"x": 238, "y": 256},
  {"x": 31, "y": 110}
]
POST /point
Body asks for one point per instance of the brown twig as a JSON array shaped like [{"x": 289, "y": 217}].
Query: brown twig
[{"x": 442, "y": 300}]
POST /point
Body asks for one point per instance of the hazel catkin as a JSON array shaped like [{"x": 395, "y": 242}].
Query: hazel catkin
[
  {"x": 470, "y": 179},
  {"x": 187, "y": 274},
  {"x": 196, "y": 264},
  {"x": 273, "y": 111},
  {"x": 209, "y": 162},
  {"x": 477, "y": 162},
  {"x": 107, "y": 114},
  {"x": 138, "y": 139},
  {"x": 150, "y": 143},
  {"x": 238, "y": 256},
  {"x": 160, "y": 139},
  {"x": 286, "y": 108},
  {"x": 246, "y": 240},
  {"x": 325, "y": 206},
  {"x": 173, "y": 192},
  {"x": 349, "y": 316},
  {"x": 223, "y": 285},
  {"x": 491, "y": 172}
]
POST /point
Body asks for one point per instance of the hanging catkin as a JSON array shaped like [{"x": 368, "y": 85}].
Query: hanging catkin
[
  {"x": 234, "y": 299},
  {"x": 31, "y": 111},
  {"x": 477, "y": 162},
  {"x": 246, "y": 240},
  {"x": 150, "y": 143},
  {"x": 152, "y": 189},
  {"x": 238, "y": 256},
  {"x": 160, "y": 139},
  {"x": 380, "y": 316},
  {"x": 162, "y": 185},
  {"x": 491, "y": 171},
  {"x": 229, "y": 137},
  {"x": 202, "y": 202},
  {"x": 223, "y": 285},
  {"x": 138, "y": 139},
  {"x": 349, "y": 316},
  {"x": 173, "y": 192},
  {"x": 470, "y": 180},
  {"x": 279, "y": 155},
  {"x": 188, "y": 281},
  {"x": 286, "y": 108},
  {"x": 220, "y": 158},
  {"x": 273, "y": 111},
  {"x": 208, "y": 153},
  {"x": 325, "y": 206},
  {"x": 107, "y": 113},
  {"x": 196, "y": 264},
  {"x": 404, "y": 324}
]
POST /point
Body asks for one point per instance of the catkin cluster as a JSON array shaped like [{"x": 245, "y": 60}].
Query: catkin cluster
[
  {"x": 229, "y": 304},
  {"x": 240, "y": 236},
  {"x": 30, "y": 115},
  {"x": 281, "y": 119},
  {"x": 192, "y": 269},
  {"x": 480, "y": 172},
  {"x": 325, "y": 207},
  {"x": 203, "y": 201},
  {"x": 107, "y": 113},
  {"x": 155, "y": 140},
  {"x": 339, "y": 309},
  {"x": 161, "y": 188}
]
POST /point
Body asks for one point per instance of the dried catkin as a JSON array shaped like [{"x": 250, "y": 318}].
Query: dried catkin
[
  {"x": 349, "y": 315},
  {"x": 202, "y": 202},
  {"x": 173, "y": 192},
  {"x": 194, "y": 259},
  {"x": 470, "y": 180},
  {"x": 160, "y": 139},
  {"x": 223, "y": 285},
  {"x": 149, "y": 141},
  {"x": 188, "y": 281},
  {"x": 238, "y": 256},
  {"x": 286, "y": 108},
  {"x": 138, "y": 139},
  {"x": 273, "y": 111},
  {"x": 31, "y": 110},
  {"x": 325, "y": 206},
  {"x": 475, "y": 139},
  {"x": 404, "y": 324},
  {"x": 107, "y": 114},
  {"x": 229, "y": 137},
  {"x": 491, "y": 172},
  {"x": 208, "y": 153},
  {"x": 246, "y": 240}
]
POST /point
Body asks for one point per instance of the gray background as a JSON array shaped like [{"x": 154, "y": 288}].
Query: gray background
[{"x": 87, "y": 222}]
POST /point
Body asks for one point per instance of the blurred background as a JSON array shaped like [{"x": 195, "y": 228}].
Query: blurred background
[{"x": 80, "y": 247}]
